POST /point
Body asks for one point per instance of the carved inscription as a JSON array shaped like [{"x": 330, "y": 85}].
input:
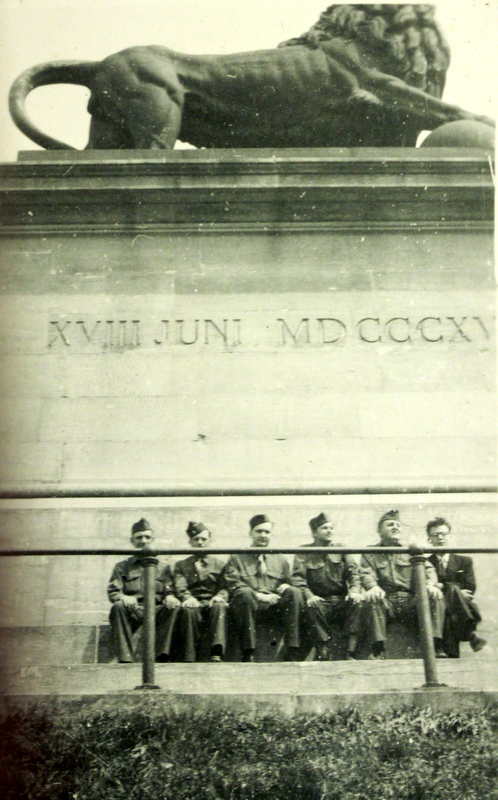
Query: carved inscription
[
  {"x": 375, "y": 330},
  {"x": 125, "y": 334},
  {"x": 291, "y": 331}
]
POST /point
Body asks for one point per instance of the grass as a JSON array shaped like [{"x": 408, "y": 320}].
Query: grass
[{"x": 53, "y": 752}]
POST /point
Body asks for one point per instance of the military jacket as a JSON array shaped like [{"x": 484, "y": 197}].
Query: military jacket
[
  {"x": 192, "y": 578},
  {"x": 243, "y": 570},
  {"x": 128, "y": 578},
  {"x": 325, "y": 575},
  {"x": 392, "y": 572}
]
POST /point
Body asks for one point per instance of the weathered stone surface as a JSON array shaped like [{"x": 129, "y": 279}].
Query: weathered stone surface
[
  {"x": 205, "y": 322},
  {"x": 265, "y": 187},
  {"x": 300, "y": 683}
]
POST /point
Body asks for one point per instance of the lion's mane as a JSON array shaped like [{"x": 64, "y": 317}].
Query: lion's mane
[{"x": 407, "y": 36}]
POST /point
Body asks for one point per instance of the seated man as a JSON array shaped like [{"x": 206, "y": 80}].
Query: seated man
[
  {"x": 331, "y": 588},
  {"x": 260, "y": 584},
  {"x": 456, "y": 579},
  {"x": 199, "y": 585},
  {"x": 126, "y": 593},
  {"x": 390, "y": 591}
]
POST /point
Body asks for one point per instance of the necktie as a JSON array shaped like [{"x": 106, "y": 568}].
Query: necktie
[
  {"x": 441, "y": 568},
  {"x": 262, "y": 564},
  {"x": 201, "y": 561}
]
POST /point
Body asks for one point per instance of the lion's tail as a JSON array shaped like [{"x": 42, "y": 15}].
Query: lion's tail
[{"x": 78, "y": 72}]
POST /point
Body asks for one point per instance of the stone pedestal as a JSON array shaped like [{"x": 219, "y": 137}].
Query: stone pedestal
[
  {"x": 247, "y": 320},
  {"x": 206, "y": 322}
]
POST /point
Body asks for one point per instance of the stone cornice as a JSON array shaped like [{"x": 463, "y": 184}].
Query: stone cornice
[{"x": 100, "y": 190}]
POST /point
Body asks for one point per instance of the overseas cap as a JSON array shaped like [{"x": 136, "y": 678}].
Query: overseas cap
[
  {"x": 321, "y": 519},
  {"x": 259, "y": 519},
  {"x": 393, "y": 514},
  {"x": 194, "y": 528},
  {"x": 141, "y": 525}
]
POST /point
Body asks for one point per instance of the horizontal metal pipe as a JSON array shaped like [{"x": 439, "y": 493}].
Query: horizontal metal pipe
[
  {"x": 56, "y": 491},
  {"x": 181, "y": 551}
]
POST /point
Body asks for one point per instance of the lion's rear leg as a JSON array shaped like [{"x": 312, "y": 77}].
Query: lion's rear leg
[
  {"x": 154, "y": 118},
  {"x": 105, "y": 135}
]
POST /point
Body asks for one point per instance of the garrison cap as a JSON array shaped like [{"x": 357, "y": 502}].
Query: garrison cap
[
  {"x": 194, "y": 528},
  {"x": 321, "y": 519},
  {"x": 393, "y": 514},
  {"x": 141, "y": 525},
  {"x": 259, "y": 519}
]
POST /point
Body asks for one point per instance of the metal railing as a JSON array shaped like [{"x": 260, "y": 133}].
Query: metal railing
[{"x": 149, "y": 556}]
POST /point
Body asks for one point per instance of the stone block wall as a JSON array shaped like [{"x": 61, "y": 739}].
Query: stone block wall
[{"x": 246, "y": 322}]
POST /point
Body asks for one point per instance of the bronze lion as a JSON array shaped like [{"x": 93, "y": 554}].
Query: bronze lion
[{"x": 363, "y": 76}]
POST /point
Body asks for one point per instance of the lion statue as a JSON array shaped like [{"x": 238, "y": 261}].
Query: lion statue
[{"x": 362, "y": 76}]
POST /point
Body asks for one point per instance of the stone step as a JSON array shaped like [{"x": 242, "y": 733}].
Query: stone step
[{"x": 311, "y": 686}]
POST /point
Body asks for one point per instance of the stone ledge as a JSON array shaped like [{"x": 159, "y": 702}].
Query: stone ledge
[
  {"x": 268, "y": 187},
  {"x": 282, "y": 683}
]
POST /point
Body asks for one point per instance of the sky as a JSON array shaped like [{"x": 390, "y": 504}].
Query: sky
[{"x": 35, "y": 31}]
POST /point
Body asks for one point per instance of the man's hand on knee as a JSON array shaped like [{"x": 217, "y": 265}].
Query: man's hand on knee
[
  {"x": 314, "y": 600},
  {"x": 129, "y": 600},
  {"x": 217, "y": 600},
  {"x": 434, "y": 592},
  {"x": 375, "y": 594},
  {"x": 191, "y": 602},
  {"x": 170, "y": 601},
  {"x": 269, "y": 599}
]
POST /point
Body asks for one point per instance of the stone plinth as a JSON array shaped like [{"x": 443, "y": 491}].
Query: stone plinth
[
  {"x": 206, "y": 322},
  {"x": 247, "y": 320}
]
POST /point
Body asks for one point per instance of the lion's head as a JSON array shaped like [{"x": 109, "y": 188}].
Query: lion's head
[{"x": 407, "y": 37}]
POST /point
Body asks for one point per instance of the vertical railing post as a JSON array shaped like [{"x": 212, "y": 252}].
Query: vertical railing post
[
  {"x": 424, "y": 617},
  {"x": 150, "y": 562}
]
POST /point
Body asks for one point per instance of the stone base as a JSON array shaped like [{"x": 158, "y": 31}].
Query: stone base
[{"x": 292, "y": 688}]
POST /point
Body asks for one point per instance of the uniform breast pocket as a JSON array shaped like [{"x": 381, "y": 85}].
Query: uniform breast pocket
[
  {"x": 403, "y": 567},
  {"x": 132, "y": 583},
  {"x": 315, "y": 566},
  {"x": 275, "y": 575}
]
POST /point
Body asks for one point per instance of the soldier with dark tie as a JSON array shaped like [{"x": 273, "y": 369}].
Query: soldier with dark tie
[
  {"x": 199, "y": 585},
  {"x": 331, "y": 588},
  {"x": 126, "y": 593},
  {"x": 259, "y": 584},
  {"x": 456, "y": 578},
  {"x": 388, "y": 580}
]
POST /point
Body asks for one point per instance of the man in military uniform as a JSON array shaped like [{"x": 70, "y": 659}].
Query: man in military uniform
[
  {"x": 331, "y": 588},
  {"x": 126, "y": 593},
  {"x": 199, "y": 585},
  {"x": 390, "y": 590},
  {"x": 259, "y": 584},
  {"x": 456, "y": 578}
]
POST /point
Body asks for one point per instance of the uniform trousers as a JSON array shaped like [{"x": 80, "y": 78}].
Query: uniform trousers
[
  {"x": 402, "y": 607},
  {"x": 125, "y": 620},
  {"x": 191, "y": 621},
  {"x": 330, "y": 610},
  {"x": 246, "y": 609}
]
